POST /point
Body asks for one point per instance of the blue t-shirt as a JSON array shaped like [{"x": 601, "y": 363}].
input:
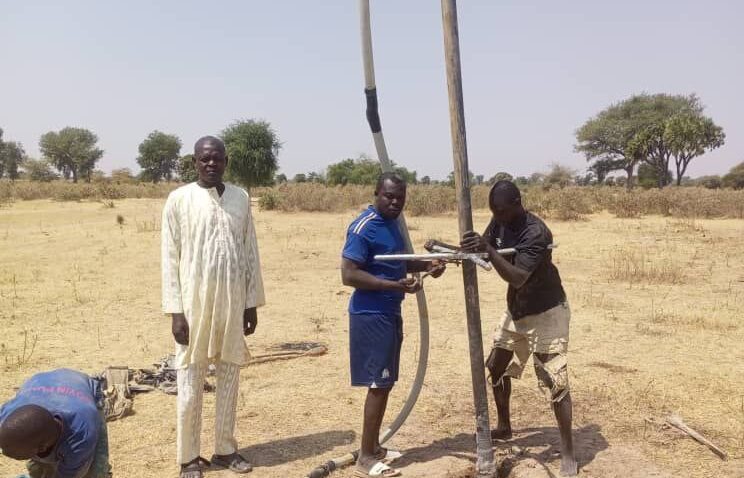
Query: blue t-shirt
[
  {"x": 369, "y": 235},
  {"x": 71, "y": 397}
]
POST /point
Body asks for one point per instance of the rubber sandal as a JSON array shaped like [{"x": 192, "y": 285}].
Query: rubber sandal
[
  {"x": 379, "y": 469},
  {"x": 389, "y": 456},
  {"x": 193, "y": 469},
  {"x": 235, "y": 463}
]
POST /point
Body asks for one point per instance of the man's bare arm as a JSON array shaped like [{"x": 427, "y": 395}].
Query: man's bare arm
[{"x": 354, "y": 276}]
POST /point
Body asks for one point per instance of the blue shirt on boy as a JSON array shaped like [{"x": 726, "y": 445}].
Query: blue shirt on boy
[
  {"x": 369, "y": 235},
  {"x": 71, "y": 397}
]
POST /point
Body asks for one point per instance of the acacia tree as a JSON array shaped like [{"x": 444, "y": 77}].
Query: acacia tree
[
  {"x": 158, "y": 155},
  {"x": 252, "y": 148},
  {"x": 653, "y": 129},
  {"x": 606, "y": 137},
  {"x": 72, "y": 151},
  {"x": 689, "y": 136}
]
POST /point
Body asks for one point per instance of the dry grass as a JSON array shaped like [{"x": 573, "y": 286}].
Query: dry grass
[
  {"x": 567, "y": 204},
  {"x": 87, "y": 285},
  {"x": 633, "y": 266},
  {"x": 66, "y": 191}
]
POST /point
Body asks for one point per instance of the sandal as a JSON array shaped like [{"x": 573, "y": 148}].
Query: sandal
[
  {"x": 235, "y": 463},
  {"x": 193, "y": 469},
  {"x": 387, "y": 455},
  {"x": 379, "y": 469}
]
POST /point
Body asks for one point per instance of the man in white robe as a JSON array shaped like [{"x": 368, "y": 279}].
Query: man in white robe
[{"x": 211, "y": 287}]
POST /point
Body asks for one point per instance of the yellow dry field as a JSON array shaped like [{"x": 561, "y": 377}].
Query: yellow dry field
[{"x": 657, "y": 328}]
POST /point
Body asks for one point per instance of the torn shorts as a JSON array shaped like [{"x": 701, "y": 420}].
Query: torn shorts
[{"x": 544, "y": 333}]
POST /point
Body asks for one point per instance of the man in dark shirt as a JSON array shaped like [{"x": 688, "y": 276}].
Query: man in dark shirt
[{"x": 537, "y": 317}]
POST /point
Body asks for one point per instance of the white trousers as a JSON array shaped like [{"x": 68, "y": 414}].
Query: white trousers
[{"x": 189, "y": 411}]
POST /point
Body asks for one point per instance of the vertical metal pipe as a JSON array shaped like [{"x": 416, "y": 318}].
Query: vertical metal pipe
[{"x": 485, "y": 464}]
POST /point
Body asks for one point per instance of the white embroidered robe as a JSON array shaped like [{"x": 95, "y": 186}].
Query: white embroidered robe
[{"x": 211, "y": 270}]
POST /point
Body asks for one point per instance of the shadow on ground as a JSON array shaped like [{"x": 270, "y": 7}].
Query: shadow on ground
[
  {"x": 286, "y": 450},
  {"x": 541, "y": 444}
]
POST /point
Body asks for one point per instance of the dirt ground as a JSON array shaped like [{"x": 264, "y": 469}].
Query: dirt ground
[{"x": 657, "y": 328}]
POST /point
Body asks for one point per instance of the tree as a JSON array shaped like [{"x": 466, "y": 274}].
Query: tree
[
  {"x": 122, "y": 176},
  {"x": 314, "y": 177},
  {"x": 602, "y": 167},
  {"x": 11, "y": 158},
  {"x": 586, "y": 180},
  {"x": 362, "y": 170},
  {"x": 606, "y": 137},
  {"x": 559, "y": 175},
  {"x": 709, "y": 182},
  {"x": 299, "y": 178},
  {"x": 426, "y": 180},
  {"x": 186, "y": 170},
  {"x": 678, "y": 130},
  {"x": 653, "y": 129},
  {"x": 252, "y": 147},
  {"x": 648, "y": 177},
  {"x": 39, "y": 170},
  {"x": 500, "y": 176},
  {"x": 98, "y": 176},
  {"x": 689, "y": 136},
  {"x": 158, "y": 156},
  {"x": 280, "y": 178},
  {"x": 536, "y": 179},
  {"x": 72, "y": 151},
  {"x": 735, "y": 177},
  {"x": 450, "y": 181}
]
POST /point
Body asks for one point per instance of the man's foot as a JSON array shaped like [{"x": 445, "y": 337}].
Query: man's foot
[
  {"x": 500, "y": 433},
  {"x": 378, "y": 469},
  {"x": 569, "y": 466},
  {"x": 233, "y": 462},
  {"x": 387, "y": 455},
  {"x": 193, "y": 469}
]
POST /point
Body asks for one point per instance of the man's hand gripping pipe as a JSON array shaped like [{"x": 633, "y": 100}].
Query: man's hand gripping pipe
[{"x": 440, "y": 251}]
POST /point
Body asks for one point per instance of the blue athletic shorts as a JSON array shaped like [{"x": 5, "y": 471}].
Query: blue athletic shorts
[{"x": 374, "y": 349}]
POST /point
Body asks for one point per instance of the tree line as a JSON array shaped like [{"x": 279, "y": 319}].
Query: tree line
[
  {"x": 642, "y": 136},
  {"x": 72, "y": 153}
]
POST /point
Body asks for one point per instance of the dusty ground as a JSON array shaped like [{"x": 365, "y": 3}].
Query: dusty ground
[{"x": 665, "y": 337}]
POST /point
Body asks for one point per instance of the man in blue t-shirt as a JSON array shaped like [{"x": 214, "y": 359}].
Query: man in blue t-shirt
[
  {"x": 54, "y": 422},
  {"x": 375, "y": 323}
]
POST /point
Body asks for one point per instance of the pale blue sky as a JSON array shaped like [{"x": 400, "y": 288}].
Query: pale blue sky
[{"x": 533, "y": 72}]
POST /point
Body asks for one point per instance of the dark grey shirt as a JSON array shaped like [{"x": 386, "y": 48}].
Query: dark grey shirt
[{"x": 531, "y": 238}]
